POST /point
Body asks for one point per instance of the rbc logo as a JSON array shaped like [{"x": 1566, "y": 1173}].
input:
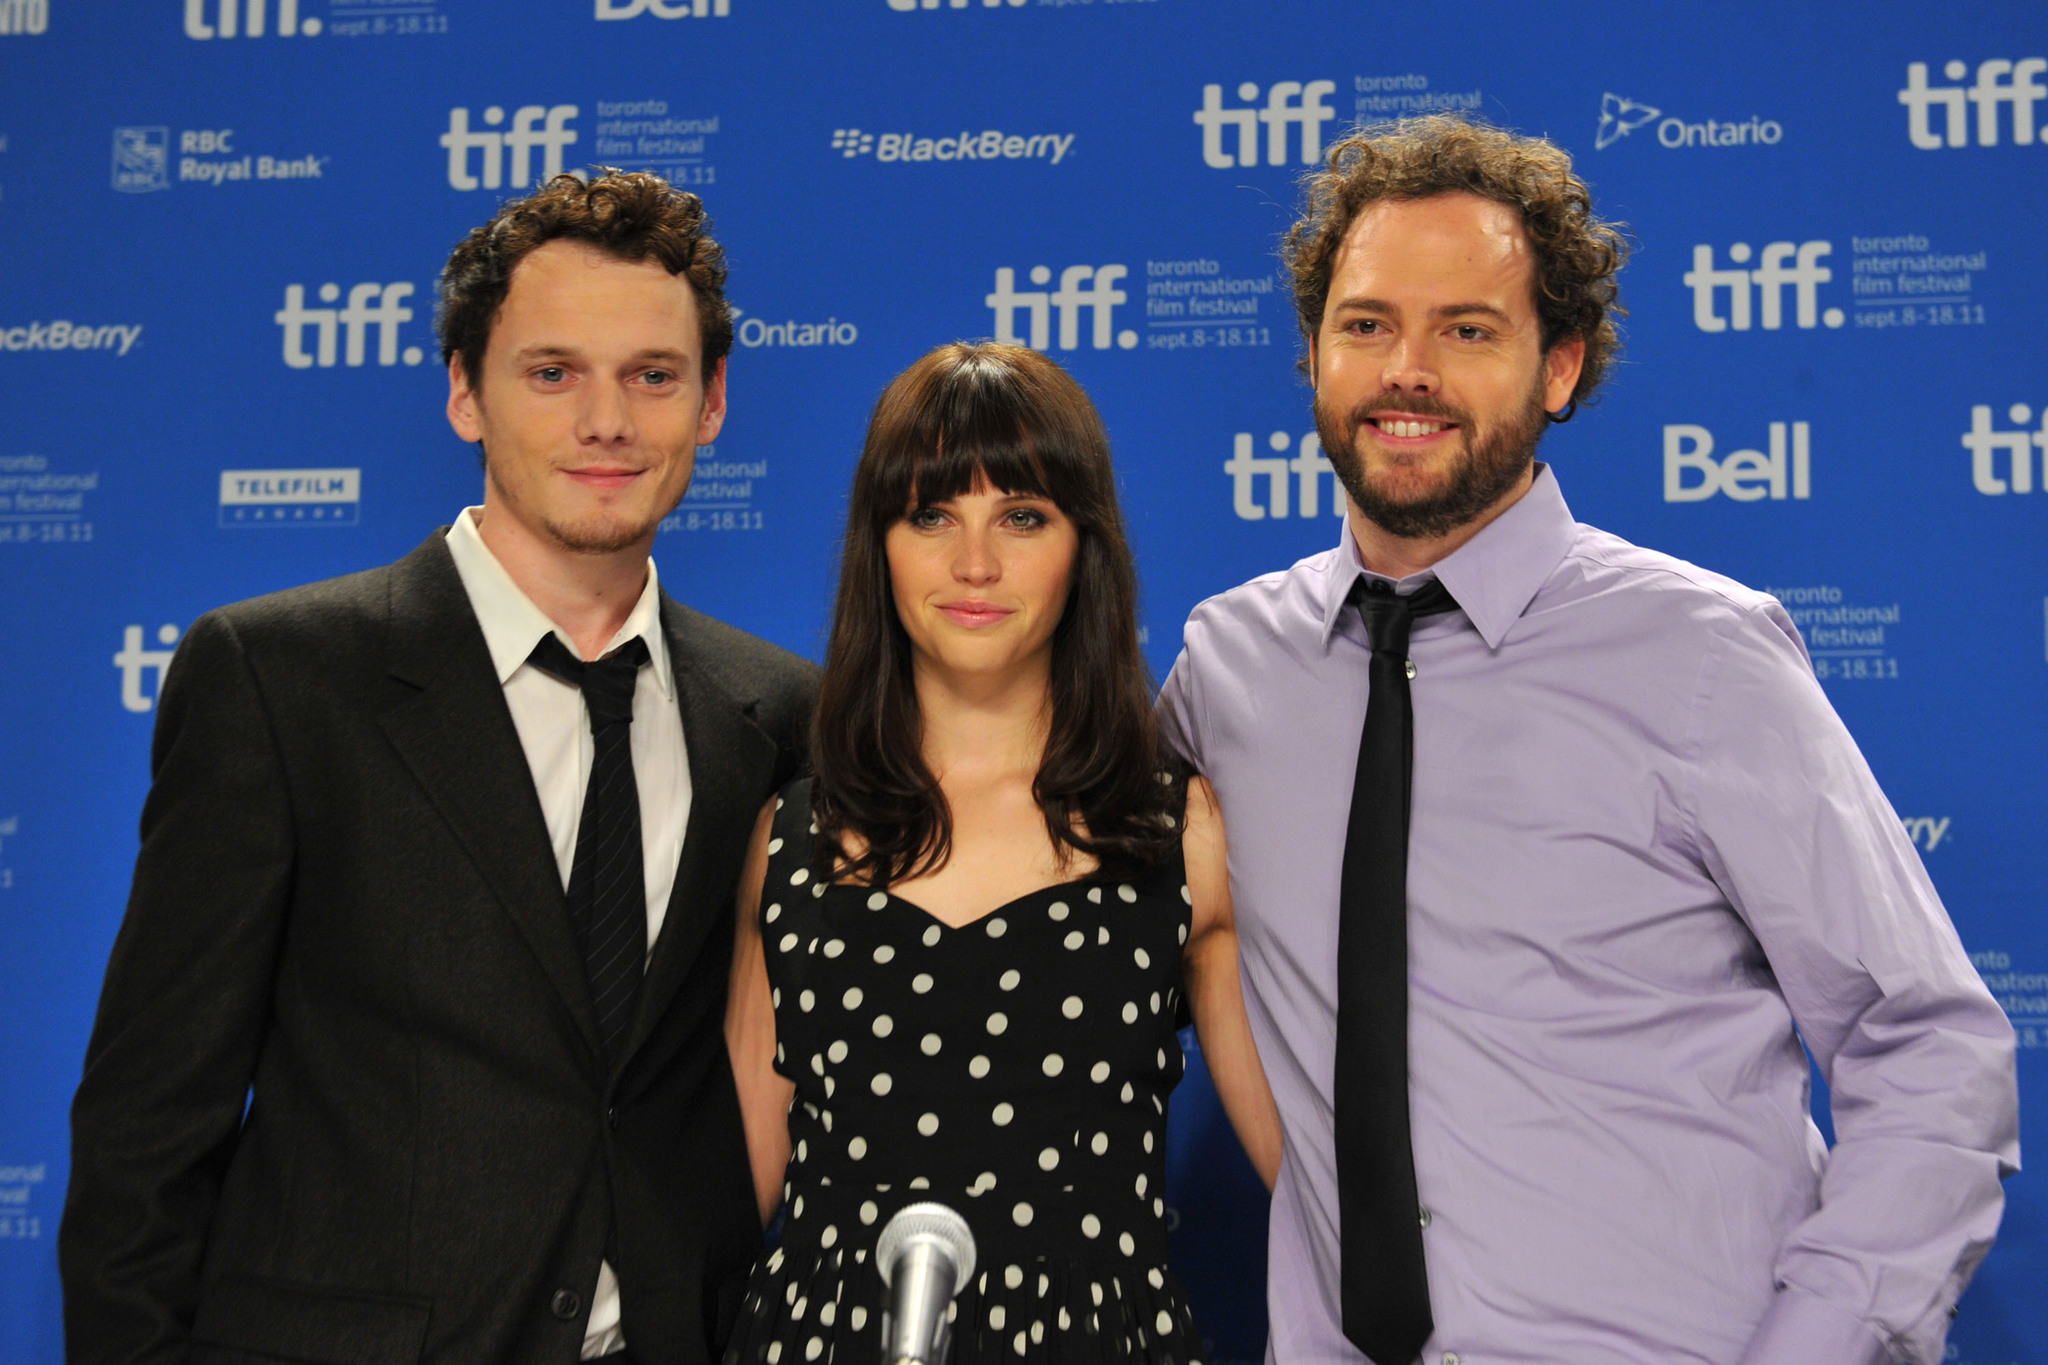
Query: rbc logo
[
  {"x": 1287, "y": 102},
  {"x": 382, "y": 304},
  {"x": 520, "y": 140},
  {"x": 233, "y": 18},
  {"x": 1744, "y": 475},
  {"x": 1805, "y": 274},
  {"x": 1308, "y": 466},
  {"x": 663, "y": 9},
  {"x": 142, "y": 160},
  {"x": 24, "y": 16},
  {"x": 1101, "y": 297},
  {"x": 1998, "y": 82},
  {"x": 1984, "y": 443},
  {"x": 136, "y": 663}
]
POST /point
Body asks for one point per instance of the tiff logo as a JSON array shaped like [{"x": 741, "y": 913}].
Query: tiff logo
[
  {"x": 1308, "y": 466},
  {"x": 136, "y": 663},
  {"x": 664, "y": 9},
  {"x": 1998, "y": 82},
  {"x": 235, "y": 18},
  {"x": 381, "y": 304},
  {"x": 1984, "y": 444},
  {"x": 1744, "y": 475},
  {"x": 1101, "y": 296},
  {"x": 1287, "y": 103},
  {"x": 520, "y": 139},
  {"x": 1805, "y": 274},
  {"x": 24, "y": 16}
]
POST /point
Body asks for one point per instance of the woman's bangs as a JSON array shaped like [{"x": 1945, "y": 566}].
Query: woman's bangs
[{"x": 977, "y": 442}]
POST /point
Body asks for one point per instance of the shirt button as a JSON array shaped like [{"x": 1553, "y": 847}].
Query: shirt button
[
  {"x": 566, "y": 1304},
  {"x": 1411, "y": 670},
  {"x": 1450, "y": 1358},
  {"x": 1425, "y": 1223}
]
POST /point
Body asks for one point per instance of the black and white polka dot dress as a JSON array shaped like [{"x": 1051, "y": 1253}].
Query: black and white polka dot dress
[{"x": 1015, "y": 1069}]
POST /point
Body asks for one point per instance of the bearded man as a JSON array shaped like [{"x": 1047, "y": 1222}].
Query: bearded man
[
  {"x": 412, "y": 1043},
  {"x": 1547, "y": 852}
]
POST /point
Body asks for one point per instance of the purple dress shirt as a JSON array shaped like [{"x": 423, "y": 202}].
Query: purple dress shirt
[{"x": 1644, "y": 849}]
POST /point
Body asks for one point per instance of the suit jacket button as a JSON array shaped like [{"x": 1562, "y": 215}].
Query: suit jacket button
[
  {"x": 566, "y": 1304},
  {"x": 611, "y": 1119}
]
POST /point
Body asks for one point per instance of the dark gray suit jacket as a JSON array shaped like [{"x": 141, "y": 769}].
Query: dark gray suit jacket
[{"x": 347, "y": 906}]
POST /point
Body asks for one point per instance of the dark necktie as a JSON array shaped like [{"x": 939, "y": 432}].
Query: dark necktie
[
  {"x": 607, "y": 887},
  {"x": 1385, "y": 1285}
]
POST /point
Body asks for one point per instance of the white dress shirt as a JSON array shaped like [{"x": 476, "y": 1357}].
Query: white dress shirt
[{"x": 554, "y": 730}]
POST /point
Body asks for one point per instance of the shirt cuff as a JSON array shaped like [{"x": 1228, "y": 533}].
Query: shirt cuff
[{"x": 1799, "y": 1329}]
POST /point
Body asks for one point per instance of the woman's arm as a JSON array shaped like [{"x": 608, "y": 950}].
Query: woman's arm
[
  {"x": 750, "y": 1032},
  {"x": 1214, "y": 991}
]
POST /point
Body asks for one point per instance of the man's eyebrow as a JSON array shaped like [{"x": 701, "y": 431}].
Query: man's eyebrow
[
  {"x": 1449, "y": 310},
  {"x": 1454, "y": 310},
  {"x": 541, "y": 351},
  {"x": 549, "y": 351}
]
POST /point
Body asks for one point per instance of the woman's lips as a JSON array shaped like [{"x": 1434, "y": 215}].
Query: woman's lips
[{"x": 974, "y": 615}]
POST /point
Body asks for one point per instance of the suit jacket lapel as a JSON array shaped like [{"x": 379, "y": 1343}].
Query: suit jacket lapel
[
  {"x": 457, "y": 737},
  {"x": 732, "y": 761}
]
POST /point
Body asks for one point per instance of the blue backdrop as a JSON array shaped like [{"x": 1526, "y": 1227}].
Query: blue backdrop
[{"x": 221, "y": 222}]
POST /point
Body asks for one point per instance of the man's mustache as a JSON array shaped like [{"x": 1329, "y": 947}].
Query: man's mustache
[{"x": 1415, "y": 405}]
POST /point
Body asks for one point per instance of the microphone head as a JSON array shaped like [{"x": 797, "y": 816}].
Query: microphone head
[{"x": 931, "y": 1223}]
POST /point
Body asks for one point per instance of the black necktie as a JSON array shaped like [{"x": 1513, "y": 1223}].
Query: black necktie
[
  {"x": 607, "y": 890},
  {"x": 1385, "y": 1285}
]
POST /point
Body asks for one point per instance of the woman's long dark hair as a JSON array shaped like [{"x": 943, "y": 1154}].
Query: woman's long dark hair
[{"x": 1011, "y": 418}]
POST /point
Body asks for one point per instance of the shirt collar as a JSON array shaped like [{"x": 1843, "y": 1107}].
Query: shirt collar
[
  {"x": 1494, "y": 575},
  {"x": 513, "y": 625}
]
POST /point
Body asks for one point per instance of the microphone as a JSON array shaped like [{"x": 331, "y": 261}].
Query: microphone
[{"x": 925, "y": 1254}]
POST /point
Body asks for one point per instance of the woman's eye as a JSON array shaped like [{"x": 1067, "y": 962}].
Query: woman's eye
[
  {"x": 1024, "y": 518},
  {"x": 925, "y": 518}
]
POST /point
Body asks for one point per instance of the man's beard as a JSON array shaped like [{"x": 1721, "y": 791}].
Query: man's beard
[{"x": 1495, "y": 459}]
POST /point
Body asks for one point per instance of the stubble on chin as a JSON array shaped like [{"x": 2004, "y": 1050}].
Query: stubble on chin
[{"x": 599, "y": 533}]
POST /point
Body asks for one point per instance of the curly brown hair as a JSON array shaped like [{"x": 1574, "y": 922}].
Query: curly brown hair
[
  {"x": 631, "y": 215},
  {"x": 1577, "y": 253}
]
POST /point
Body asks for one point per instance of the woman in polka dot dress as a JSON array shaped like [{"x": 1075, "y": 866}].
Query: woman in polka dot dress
[{"x": 962, "y": 950}]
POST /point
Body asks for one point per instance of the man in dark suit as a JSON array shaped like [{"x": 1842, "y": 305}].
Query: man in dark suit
[{"x": 410, "y": 1047}]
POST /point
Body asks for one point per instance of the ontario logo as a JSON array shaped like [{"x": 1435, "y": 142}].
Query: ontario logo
[
  {"x": 291, "y": 497},
  {"x": 1621, "y": 116},
  {"x": 990, "y": 144}
]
